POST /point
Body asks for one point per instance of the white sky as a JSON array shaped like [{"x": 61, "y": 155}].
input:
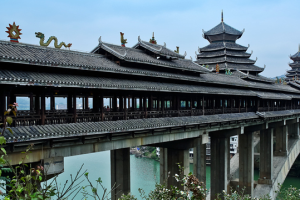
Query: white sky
[{"x": 271, "y": 27}]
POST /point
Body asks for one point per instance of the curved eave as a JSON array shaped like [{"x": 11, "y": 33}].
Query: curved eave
[{"x": 153, "y": 50}]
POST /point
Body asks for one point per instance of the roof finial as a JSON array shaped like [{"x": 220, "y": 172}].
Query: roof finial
[
  {"x": 152, "y": 40},
  {"x": 299, "y": 48},
  {"x": 222, "y": 16}
]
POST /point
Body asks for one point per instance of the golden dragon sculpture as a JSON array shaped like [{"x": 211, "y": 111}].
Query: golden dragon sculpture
[{"x": 42, "y": 38}]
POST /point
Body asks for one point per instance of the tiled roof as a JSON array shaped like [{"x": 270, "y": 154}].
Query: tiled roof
[
  {"x": 282, "y": 113},
  {"x": 234, "y": 66},
  {"x": 223, "y": 45},
  {"x": 157, "y": 49},
  {"x": 208, "y": 54},
  {"x": 272, "y": 95},
  {"x": 294, "y": 64},
  {"x": 296, "y": 56},
  {"x": 230, "y": 59},
  {"x": 66, "y": 80},
  {"x": 32, "y": 133},
  {"x": 223, "y": 28},
  {"x": 139, "y": 56},
  {"x": 252, "y": 77}
]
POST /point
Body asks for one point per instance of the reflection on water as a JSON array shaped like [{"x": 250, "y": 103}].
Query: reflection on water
[{"x": 144, "y": 171}]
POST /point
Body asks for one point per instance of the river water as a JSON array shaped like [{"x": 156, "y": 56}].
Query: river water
[{"x": 144, "y": 171}]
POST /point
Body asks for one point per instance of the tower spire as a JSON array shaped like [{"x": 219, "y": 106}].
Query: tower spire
[{"x": 222, "y": 16}]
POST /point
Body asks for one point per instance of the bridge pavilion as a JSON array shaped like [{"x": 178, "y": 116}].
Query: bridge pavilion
[{"x": 157, "y": 97}]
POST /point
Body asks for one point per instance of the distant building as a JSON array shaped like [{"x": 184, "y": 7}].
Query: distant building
[{"x": 294, "y": 73}]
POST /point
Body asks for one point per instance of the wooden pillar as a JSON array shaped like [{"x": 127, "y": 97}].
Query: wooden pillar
[
  {"x": 115, "y": 103},
  {"x": 257, "y": 105},
  {"x": 37, "y": 104},
  {"x": 145, "y": 106},
  {"x": 239, "y": 102},
  {"x": 121, "y": 103},
  {"x": 163, "y": 105},
  {"x": 31, "y": 100},
  {"x": 86, "y": 102},
  {"x": 101, "y": 107},
  {"x": 178, "y": 105},
  {"x": 69, "y": 103},
  {"x": 133, "y": 103},
  {"x": 2, "y": 105},
  {"x": 246, "y": 102},
  {"x": 150, "y": 103},
  {"x": 96, "y": 105},
  {"x": 74, "y": 109},
  {"x": 52, "y": 103},
  {"x": 43, "y": 104},
  {"x": 203, "y": 111}
]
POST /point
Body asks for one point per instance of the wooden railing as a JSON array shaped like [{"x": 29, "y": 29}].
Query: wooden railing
[{"x": 28, "y": 118}]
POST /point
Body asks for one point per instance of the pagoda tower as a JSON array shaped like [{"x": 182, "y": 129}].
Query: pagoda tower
[
  {"x": 294, "y": 73},
  {"x": 224, "y": 51}
]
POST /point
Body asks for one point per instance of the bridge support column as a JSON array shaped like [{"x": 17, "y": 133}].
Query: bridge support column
[
  {"x": 169, "y": 167},
  {"x": 120, "y": 172},
  {"x": 219, "y": 165},
  {"x": 246, "y": 162},
  {"x": 266, "y": 157},
  {"x": 281, "y": 141},
  {"x": 199, "y": 158}
]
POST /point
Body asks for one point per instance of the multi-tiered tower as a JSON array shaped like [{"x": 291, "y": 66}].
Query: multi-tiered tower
[
  {"x": 224, "y": 51},
  {"x": 294, "y": 73}
]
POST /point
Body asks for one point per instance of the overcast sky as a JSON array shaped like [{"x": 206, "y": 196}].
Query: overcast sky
[{"x": 271, "y": 27}]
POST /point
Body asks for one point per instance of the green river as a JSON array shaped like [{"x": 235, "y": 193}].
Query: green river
[{"x": 144, "y": 171}]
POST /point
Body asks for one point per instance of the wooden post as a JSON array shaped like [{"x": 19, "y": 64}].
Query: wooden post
[
  {"x": 31, "y": 102},
  {"x": 86, "y": 102},
  {"x": 126, "y": 106},
  {"x": 115, "y": 103},
  {"x": 37, "y": 104},
  {"x": 203, "y": 111},
  {"x": 74, "y": 109},
  {"x": 246, "y": 103},
  {"x": 178, "y": 105},
  {"x": 101, "y": 107},
  {"x": 43, "y": 103},
  {"x": 52, "y": 103},
  {"x": 69, "y": 103},
  {"x": 163, "y": 105},
  {"x": 145, "y": 106},
  {"x": 2, "y": 105},
  {"x": 240, "y": 105}
]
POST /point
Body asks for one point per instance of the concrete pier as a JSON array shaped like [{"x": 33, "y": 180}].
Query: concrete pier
[
  {"x": 199, "y": 159},
  {"x": 281, "y": 147},
  {"x": 219, "y": 165},
  {"x": 246, "y": 162},
  {"x": 169, "y": 160},
  {"x": 266, "y": 157},
  {"x": 120, "y": 172}
]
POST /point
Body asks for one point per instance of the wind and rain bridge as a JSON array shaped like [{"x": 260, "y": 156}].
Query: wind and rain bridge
[{"x": 157, "y": 97}]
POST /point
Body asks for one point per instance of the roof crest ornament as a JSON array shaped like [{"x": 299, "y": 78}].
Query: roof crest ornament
[
  {"x": 222, "y": 16},
  {"x": 203, "y": 31},
  {"x": 139, "y": 39},
  {"x": 199, "y": 49},
  {"x": 184, "y": 54},
  {"x": 99, "y": 40},
  {"x": 256, "y": 59},
  {"x": 251, "y": 52},
  {"x": 165, "y": 45},
  {"x": 243, "y": 30},
  {"x": 299, "y": 48},
  {"x": 191, "y": 58}
]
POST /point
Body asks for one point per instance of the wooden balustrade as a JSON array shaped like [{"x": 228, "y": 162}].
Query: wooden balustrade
[{"x": 29, "y": 118}]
